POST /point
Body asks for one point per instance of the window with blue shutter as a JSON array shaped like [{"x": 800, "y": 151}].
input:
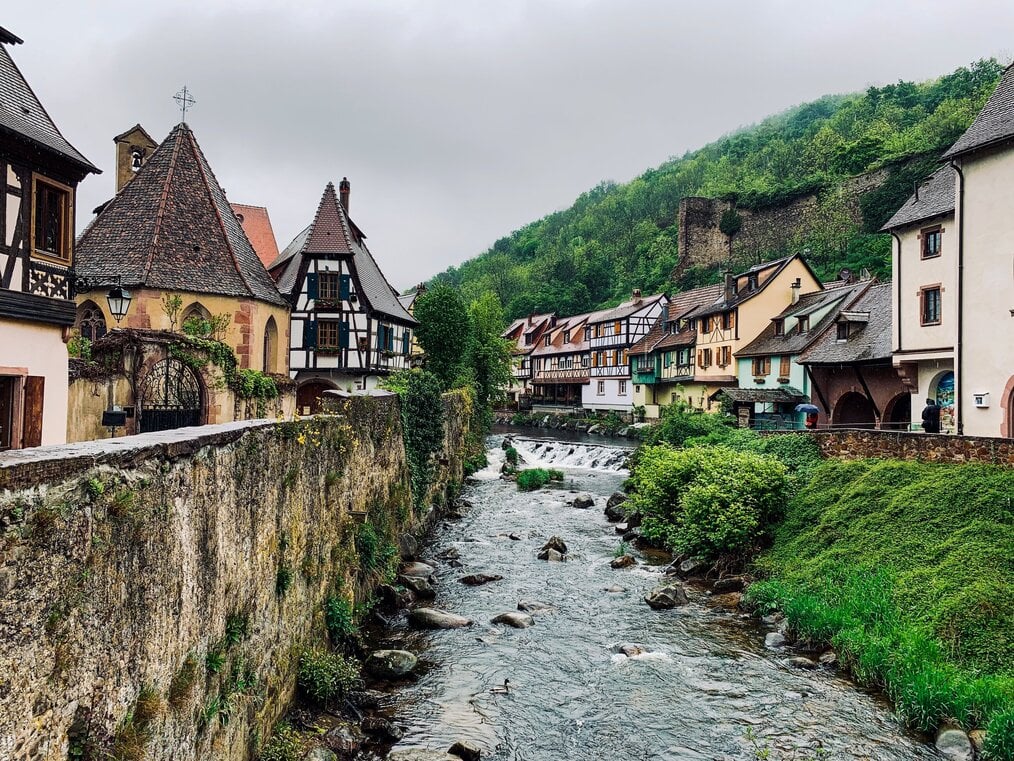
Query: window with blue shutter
[
  {"x": 343, "y": 335},
  {"x": 405, "y": 340},
  {"x": 309, "y": 334},
  {"x": 345, "y": 287},
  {"x": 389, "y": 338},
  {"x": 311, "y": 286},
  {"x": 380, "y": 337}
]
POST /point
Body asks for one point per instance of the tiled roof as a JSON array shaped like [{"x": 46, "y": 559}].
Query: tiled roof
[
  {"x": 22, "y": 113},
  {"x": 625, "y": 309},
  {"x": 720, "y": 304},
  {"x": 171, "y": 228},
  {"x": 869, "y": 344},
  {"x": 783, "y": 395},
  {"x": 577, "y": 342},
  {"x": 534, "y": 324},
  {"x": 935, "y": 197},
  {"x": 680, "y": 305},
  {"x": 995, "y": 122},
  {"x": 793, "y": 342},
  {"x": 332, "y": 232},
  {"x": 257, "y": 226}
]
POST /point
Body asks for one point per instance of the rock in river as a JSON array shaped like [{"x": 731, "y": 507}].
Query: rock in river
[
  {"x": 320, "y": 754},
  {"x": 556, "y": 543},
  {"x": 583, "y": 500},
  {"x": 432, "y": 618},
  {"x": 382, "y": 728},
  {"x": 532, "y": 606},
  {"x": 466, "y": 751},
  {"x": 615, "y": 513},
  {"x": 420, "y": 754},
  {"x": 478, "y": 579},
  {"x": 616, "y": 498},
  {"x": 418, "y": 570},
  {"x": 729, "y": 584},
  {"x": 514, "y": 618},
  {"x": 552, "y": 555},
  {"x": 419, "y": 586},
  {"x": 630, "y": 649},
  {"x": 800, "y": 662},
  {"x": 391, "y": 664},
  {"x": 623, "y": 561},
  {"x": 666, "y": 596},
  {"x": 954, "y": 745},
  {"x": 773, "y": 640}
]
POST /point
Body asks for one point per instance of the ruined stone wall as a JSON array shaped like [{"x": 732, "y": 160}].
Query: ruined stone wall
[
  {"x": 852, "y": 444},
  {"x": 702, "y": 244},
  {"x": 187, "y": 568}
]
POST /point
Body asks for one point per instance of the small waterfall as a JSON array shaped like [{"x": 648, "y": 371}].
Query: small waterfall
[{"x": 564, "y": 454}]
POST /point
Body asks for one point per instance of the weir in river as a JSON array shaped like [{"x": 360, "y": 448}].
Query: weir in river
[{"x": 705, "y": 687}]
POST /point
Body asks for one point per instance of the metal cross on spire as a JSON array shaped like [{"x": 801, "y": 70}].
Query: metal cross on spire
[{"x": 184, "y": 100}]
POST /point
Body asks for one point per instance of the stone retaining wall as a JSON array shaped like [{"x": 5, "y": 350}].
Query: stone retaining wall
[
  {"x": 851, "y": 444},
  {"x": 190, "y": 566}
]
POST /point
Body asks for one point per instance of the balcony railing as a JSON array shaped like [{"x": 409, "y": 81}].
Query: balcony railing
[
  {"x": 645, "y": 375},
  {"x": 611, "y": 371},
  {"x": 677, "y": 372},
  {"x": 571, "y": 375}
]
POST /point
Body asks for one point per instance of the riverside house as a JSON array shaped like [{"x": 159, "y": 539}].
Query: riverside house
[
  {"x": 40, "y": 171},
  {"x": 983, "y": 162},
  {"x": 924, "y": 298},
  {"x": 525, "y": 335},
  {"x": 610, "y": 333},
  {"x": 561, "y": 365},
  {"x": 348, "y": 327},
  {"x": 770, "y": 380},
  {"x": 663, "y": 362}
]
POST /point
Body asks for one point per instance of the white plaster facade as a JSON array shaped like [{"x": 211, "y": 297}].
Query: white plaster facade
[{"x": 35, "y": 350}]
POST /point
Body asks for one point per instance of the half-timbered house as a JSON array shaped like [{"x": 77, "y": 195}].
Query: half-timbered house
[
  {"x": 348, "y": 328},
  {"x": 560, "y": 365},
  {"x": 39, "y": 171},
  {"x": 610, "y": 334},
  {"x": 525, "y": 335}
]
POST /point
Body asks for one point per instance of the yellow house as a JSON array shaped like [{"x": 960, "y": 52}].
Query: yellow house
[{"x": 169, "y": 232}]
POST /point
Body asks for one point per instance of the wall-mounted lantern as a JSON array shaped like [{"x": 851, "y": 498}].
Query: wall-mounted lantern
[{"x": 118, "y": 300}]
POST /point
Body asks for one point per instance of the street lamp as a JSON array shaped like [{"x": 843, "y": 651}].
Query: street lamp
[{"x": 119, "y": 302}]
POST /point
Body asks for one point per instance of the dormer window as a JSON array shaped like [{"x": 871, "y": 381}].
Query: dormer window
[
  {"x": 545, "y": 341},
  {"x": 566, "y": 336},
  {"x": 843, "y": 331},
  {"x": 587, "y": 333},
  {"x": 751, "y": 281},
  {"x": 136, "y": 159},
  {"x": 804, "y": 324},
  {"x": 779, "y": 327}
]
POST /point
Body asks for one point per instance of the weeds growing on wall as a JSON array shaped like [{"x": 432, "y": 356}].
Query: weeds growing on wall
[
  {"x": 286, "y": 744},
  {"x": 325, "y": 676},
  {"x": 422, "y": 411}
]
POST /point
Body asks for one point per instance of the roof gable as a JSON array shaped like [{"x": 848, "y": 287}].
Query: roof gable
[
  {"x": 995, "y": 122},
  {"x": 171, "y": 228},
  {"x": 256, "y": 224},
  {"x": 330, "y": 232},
  {"x": 22, "y": 113},
  {"x": 934, "y": 197}
]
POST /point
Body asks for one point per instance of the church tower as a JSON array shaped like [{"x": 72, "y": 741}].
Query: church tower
[{"x": 133, "y": 148}]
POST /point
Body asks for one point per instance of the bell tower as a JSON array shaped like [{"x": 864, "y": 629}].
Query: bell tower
[{"x": 133, "y": 148}]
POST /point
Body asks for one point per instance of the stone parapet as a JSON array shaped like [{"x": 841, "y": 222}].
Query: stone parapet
[{"x": 924, "y": 447}]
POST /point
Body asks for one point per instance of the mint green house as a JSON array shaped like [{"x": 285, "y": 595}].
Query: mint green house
[{"x": 770, "y": 380}]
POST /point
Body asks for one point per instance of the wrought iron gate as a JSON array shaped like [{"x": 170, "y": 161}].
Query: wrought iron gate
[{"x": 170, "y": 397}]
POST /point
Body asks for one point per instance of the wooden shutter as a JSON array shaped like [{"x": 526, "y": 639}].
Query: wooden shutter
[
  {"x": 345, "y": 286},
  {"x": 31, "y": 427},
  {"x": 343, "y": 335},
  {"x": 312, "y": 286},
  {"x": 309, "y": 334},
  {"x": 784, "y": 369},
  {"x": 405, "y": 339}
]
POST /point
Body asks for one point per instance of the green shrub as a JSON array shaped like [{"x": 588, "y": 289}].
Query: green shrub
[
  {"x": 340, "y": 619},
  {"x": 999, "y": 744},
  {"x": 680, "y": 422},
  {"x": 707, "y": 501},
  {"x": 286, "y": 744},
  {"x": 237, "y": 629},
  {"x": 512, "y": 456},
  {"x": 325, "y": 676},
  {"x": 368, "y": 546},
  {"x": 531, "y": 479}
]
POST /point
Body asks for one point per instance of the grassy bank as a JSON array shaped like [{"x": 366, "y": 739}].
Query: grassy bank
[{"x": 907, "y": 570}]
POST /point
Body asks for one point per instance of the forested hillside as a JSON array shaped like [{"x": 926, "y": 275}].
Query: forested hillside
[{"x": 622, "y": 236}]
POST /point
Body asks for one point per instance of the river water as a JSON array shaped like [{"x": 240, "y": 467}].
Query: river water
[{"x": 707, "y": 690}]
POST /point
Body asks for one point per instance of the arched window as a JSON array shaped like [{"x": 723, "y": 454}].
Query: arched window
[
  {"x": 271, "y": 346},
  {"x": 196, "y": 320},
  {"x": 91, "y": 323}
]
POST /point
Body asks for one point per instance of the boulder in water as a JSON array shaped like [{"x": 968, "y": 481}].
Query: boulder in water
[
  {"x": 419, "y": 586},
  {"x": 595, "y": 429},
  {"x": 478, "y": 579},
  {"x": 583, "y": 500},
  {"x": 514, "y": 537},
  {"x": 614, "y": 589},
  {"x": 556, "y": 543},
  {"x": 382, "y": 728},
  {"x": 634, "y": 520},
  {"x": 408, "y": 546},
  {"x": 320, "y": 754},
  {"x": 828, "y": 658},
  {"x": 465, "y": 750},
  {"x": 391, "y": 664},
  {"x": 800, "y": 662},
  {"x": 366, "y": 698},
  {"x": 553, "y": 556},
  {"x": 394, "y": 598},
  {"x": 693, "y": 568},
  {"x": 774, "y": 640},
  {"x": 451, "y": 553},
  {"x": 418, "y": 570},
  {"x": 954, "y": 745},
  {"x": 515, "y": 618},
  {"x": 623, "y": 561},
  {"x": 616, "y": 498},
  {"x": 630, "y": 649},
  {"x": 729, "y": 584},
  {"x": 532, "y": 606},
  {"x": 666, "y": 596},
  {"x": 432, "y": 618}
]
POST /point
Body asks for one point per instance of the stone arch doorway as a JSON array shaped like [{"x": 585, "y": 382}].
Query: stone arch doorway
[
  {"x": 854, "y": 410},
  {"x": 898, "y": 413},
  {"x": 941, "y": 390},
  {"x": 309, "y": 396},
  {"x": 271, "y": 346},
  {"x": 171, "y": 396}
]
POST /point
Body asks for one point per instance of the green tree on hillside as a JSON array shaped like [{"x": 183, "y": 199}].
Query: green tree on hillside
[
  {"x": 489, "y": 354},
  {"x": 443, "y": 332}
]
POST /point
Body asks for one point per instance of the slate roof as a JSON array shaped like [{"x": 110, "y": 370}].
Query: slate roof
[
  {"x": 793, "y": 342},
  {"x": 783, "y": 395},
  {"x": 625, "y": 309},
  {"x": 257, "y": 225},
  {"x": 333, "y": 233},
  {"x": 872, "y": 343},
  {"x": 935, "y": 197},
  {"x": 721, "y": 304},
  {"x": 171, "y": 228},
  {"x": 22, "y": 113},
  {"x": 995, "y": 122}
]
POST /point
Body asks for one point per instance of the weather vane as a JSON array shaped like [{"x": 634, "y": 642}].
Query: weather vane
[{"x": 184, "y": 100}]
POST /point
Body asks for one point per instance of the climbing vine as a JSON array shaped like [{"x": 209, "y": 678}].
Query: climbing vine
[{"x": 197, "y": 352}]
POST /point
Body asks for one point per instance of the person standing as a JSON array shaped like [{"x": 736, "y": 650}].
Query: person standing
[{"x": 931, "y": 417}]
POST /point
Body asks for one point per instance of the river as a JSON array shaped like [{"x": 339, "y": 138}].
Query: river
[{"x": 708, "y": 688}]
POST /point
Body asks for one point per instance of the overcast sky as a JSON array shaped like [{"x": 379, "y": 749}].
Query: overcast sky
[{"x": 458, "y": 121}]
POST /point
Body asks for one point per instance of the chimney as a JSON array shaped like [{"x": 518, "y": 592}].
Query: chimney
[
  {"x": 730, "y": 286},
  {"x": 796, "y": 287},
  {"x": 637, "y": 295},
  {"x": 343, "y": 193},
  {"x": 916, "y": 185},
  {"x": 531, "y": 317}
]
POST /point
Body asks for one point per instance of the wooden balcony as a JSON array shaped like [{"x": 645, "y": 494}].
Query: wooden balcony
[{"x": 567, "y": 375}]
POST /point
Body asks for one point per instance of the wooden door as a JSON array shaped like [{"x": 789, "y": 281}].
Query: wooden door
[
  {"x": 6, "y": 412},
  {"x": 35, "y": 386}
]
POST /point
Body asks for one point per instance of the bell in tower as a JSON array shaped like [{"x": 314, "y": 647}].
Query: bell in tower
[{"x": 133, "y": 148}]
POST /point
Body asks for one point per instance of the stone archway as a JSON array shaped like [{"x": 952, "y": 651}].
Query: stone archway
[
  {"x": 171, "y": 396},
  {"x": 854, "y": 410},
  {"x": 309, "y": 396},
  {"x": 271, "y": 346},
  {"x": 898, "y": 413}
]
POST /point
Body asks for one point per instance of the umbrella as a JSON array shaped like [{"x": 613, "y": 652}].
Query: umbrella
[{"x": 809, "y": 409}]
